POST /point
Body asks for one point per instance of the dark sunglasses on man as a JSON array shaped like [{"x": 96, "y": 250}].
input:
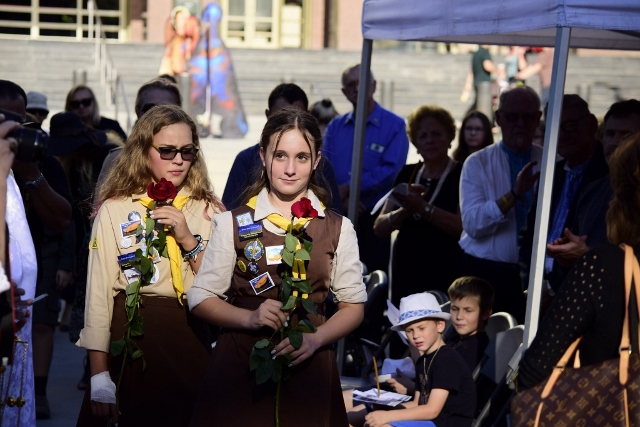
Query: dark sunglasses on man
[
  {"x": 86, "y": 102},
  {"x": 170, "y": 153}
]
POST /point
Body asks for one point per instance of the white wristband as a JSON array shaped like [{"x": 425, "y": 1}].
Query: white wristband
[{"x": 103, "y": 390}]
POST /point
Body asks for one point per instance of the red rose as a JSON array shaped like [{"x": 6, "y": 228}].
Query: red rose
[
  {"x": 303, "y": 209},
  {"x": 162, "y": 191}
]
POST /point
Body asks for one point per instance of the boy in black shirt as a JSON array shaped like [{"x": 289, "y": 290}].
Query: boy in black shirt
[{"x": 445, "y": 395}]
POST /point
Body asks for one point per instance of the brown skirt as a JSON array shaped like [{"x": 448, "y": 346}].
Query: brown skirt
[
  {"x": 176, "y": 349},
  {"x": 229, "y": 396}
]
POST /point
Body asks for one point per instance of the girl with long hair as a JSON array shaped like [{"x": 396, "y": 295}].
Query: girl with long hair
[
  {"x": 229, "y": 290},
  {"x": 160, "y": 389}
]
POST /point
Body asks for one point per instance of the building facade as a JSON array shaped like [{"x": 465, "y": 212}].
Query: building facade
[{"x": 260, "y": 24}]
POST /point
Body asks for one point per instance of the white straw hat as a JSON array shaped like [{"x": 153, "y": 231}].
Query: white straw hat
[{"x": 418, "y": 307}]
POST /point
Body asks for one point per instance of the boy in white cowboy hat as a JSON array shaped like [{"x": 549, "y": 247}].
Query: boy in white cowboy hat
[{"x": 445, "y": 395}]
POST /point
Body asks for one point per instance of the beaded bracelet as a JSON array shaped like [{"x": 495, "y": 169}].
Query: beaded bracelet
[{"x": 193, "y": 253}]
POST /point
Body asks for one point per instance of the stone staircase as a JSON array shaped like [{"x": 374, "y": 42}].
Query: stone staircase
[{"x": 405, "y": 79}]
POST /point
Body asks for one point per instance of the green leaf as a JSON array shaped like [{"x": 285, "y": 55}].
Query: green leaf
[
  {"x": 290, "y": 242},
  {"x": 287, "y": 257},
  {"x": 285, "y": 288},
  {"x": 132, "y": 287},
  {"x": 136, "y": 355},
  {"x": 145, "y": 265},
  {"x": 165, "y": 252},
  {"x": 303, "y": 286},
  {"x": 264, "y": 372},
  {"x": 290, "y": 303},
  {"x": 139, "y": 254},
  {"x": 295, "y": 338},
  {"x": 302, "y": 254},
  {"x": 309, "y": 306},
  {"x": 307, "y": 245},
  {"x": 263, "y": 343},
  {"x": 131, "y": 300},
  {"x": 137, "y": 326},
  {"x": 254, "y": 361},
  {"x": 150, "y": 224},
  {"x": 117, "y": 346},
  {"x": 277, "y": 371},
  {"x": 139, "y": 230},
  {"x": 305, "y": 326}
]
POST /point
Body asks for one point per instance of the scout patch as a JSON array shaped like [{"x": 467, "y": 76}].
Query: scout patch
[
  {"x": 242, "y": 266},
  {"x": 125, "y": 262},
  {"x": 250, "y": 231},
  {"x": 274, "y": 254},
  {"x": 94, "y": 243},
  {"x": 244, "y": 219},
  {"x": 261, "y": 283},
  {"x": 129, "y": 228},
  {"x": 253, "y": 251}
]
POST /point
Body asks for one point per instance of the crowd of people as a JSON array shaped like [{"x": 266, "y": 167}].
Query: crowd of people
[{"x": 176, "y": 294}]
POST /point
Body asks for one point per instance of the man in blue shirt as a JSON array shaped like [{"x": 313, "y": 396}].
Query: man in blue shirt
[
  {"x": 247, "y": 165},
  {"x": 385, "y": 152}
]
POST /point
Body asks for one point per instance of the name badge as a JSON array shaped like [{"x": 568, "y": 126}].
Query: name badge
[
  {"x": 261, "y": 283},
  {"x": 274, "y": 254},
  {"x": 250, "y": 231},
  {"x": 378, "y": 148}
]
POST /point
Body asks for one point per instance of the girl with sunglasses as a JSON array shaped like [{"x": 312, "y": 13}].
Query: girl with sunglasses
[
  {"x": 82, "y": 101},
  {"x": 164, "y": 144}
]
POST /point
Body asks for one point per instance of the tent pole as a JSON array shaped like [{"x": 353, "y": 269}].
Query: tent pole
[
  {"x": 559, "y": 72},
  {"x": 358, "y": 136},
  {"x": 358, "y": 152}
]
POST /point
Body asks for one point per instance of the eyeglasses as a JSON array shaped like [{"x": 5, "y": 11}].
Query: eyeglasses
[
  {"x": 472, "y": 129},
  {"x": 526, "y": 117},
  {"x": 170, "y": 153},
  {"x": 81, "y": 102},
  {"x": 571, "y": 125}
]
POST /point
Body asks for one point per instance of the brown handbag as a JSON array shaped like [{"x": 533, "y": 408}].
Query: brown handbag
[{"x": 602, "y": 394}]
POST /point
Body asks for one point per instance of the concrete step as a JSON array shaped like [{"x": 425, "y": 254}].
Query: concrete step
[{"x": 423, "y": 77}]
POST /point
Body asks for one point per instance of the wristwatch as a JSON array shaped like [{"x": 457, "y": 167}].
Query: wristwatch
[{"x": 30, "y": 186}]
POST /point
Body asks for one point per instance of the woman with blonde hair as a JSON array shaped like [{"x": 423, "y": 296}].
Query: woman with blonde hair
[
  {"x": 160, "y": 180},
  {"x": 82, "y": 101},
  {"x": 426, "y": 254}
]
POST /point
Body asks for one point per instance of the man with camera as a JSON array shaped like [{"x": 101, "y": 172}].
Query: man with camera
[{"x": 46, "y": 198}]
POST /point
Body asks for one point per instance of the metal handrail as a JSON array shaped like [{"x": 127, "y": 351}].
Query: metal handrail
[{"x": 109, "y": 78}]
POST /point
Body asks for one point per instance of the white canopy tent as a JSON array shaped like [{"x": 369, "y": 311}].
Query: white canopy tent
[{"x": 602, "y": 24}]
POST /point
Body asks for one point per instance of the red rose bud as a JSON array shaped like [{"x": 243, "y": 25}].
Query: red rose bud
[
  {"x": 303, "y": 209},
  {"x": 162, "y": 191}
]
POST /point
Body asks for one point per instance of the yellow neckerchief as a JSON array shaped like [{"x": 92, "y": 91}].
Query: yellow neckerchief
[
  {"x": 298, "y": 269},
  {"x": 175, "y": 257}
]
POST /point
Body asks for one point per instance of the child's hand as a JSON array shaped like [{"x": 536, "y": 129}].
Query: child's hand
[
  {"x": 377, "y": 418},
  {"x": 402, "y": 384}
]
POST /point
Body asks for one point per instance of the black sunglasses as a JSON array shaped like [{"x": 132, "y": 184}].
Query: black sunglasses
[
  {"x": 37, "y": 111},
  {"x": 526, "y": 117},
  {"x": 84, "y": 102},
  {"x": 169, "y": 153}
]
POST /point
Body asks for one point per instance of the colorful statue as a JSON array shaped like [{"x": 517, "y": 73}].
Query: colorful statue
[
  {"x": 181, "y": 35},
  {"x": 213, "y": 83}
]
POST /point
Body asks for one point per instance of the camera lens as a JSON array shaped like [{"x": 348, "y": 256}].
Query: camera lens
[{"x": 32, "y": 144}]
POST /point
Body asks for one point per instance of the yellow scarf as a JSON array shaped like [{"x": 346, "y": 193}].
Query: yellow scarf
[
  {"x": 298, "y": 269},
  {"x": 175, "y": 257}
]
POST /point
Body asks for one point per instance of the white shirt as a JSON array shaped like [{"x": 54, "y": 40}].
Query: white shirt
[
  {"x": 219, "y": 259},
  {"x": 488, "y": 233}
]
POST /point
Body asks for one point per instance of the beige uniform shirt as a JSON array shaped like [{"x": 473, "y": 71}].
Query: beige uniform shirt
[
  {"x": 105, "y": 278},
  {"x": 216, "y": 270}
]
